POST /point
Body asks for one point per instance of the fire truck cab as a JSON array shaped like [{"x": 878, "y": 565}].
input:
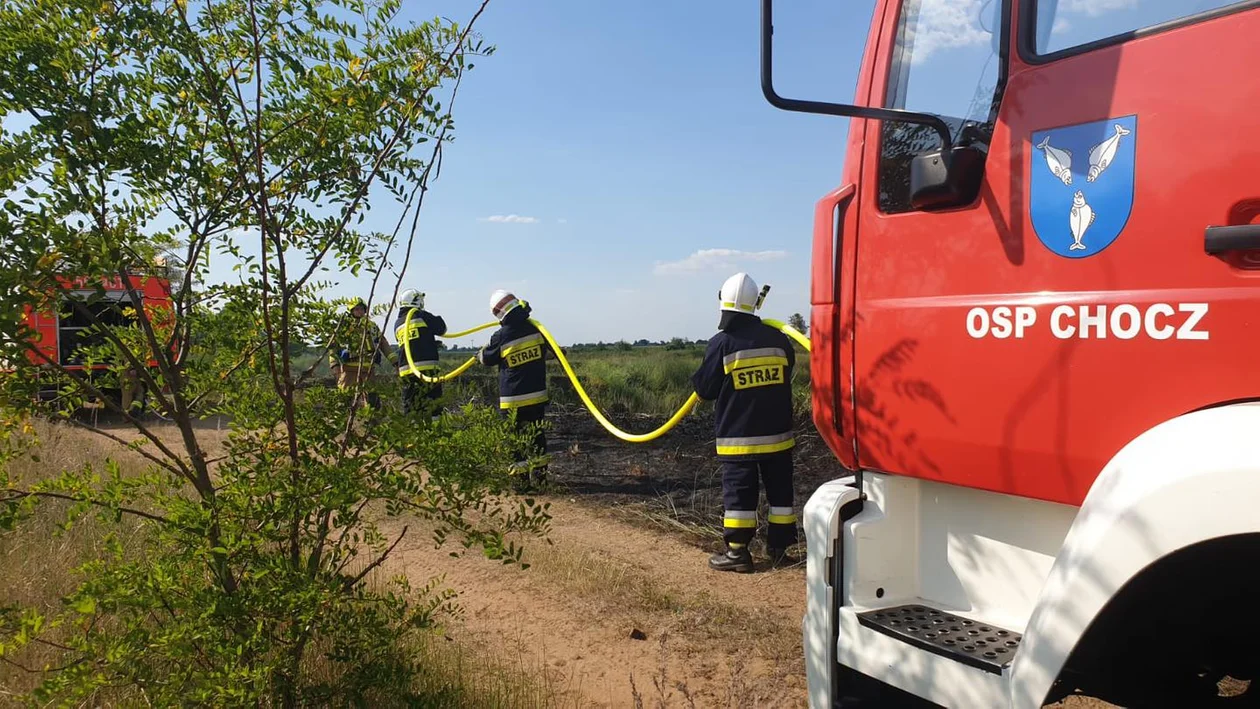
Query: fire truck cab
[
  {"x": 65, "y": 333},
  {"x": 1035, "y": 322}
]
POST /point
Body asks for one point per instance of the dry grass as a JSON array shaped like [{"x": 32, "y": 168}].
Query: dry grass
[
  {"x": 611, "y": 586},
  {"x": 463, "y": 674},
  {"x": 39, "y": 562}
]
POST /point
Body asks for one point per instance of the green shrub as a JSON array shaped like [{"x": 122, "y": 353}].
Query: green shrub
[{"x": 256, "y": 131}]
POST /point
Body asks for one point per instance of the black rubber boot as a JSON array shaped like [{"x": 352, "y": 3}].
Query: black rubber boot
[{"x": 738, "y": 560}]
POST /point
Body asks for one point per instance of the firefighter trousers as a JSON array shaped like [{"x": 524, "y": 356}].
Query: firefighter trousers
[
  {"x": 419, "y": 396},
  {"x": 357, "y": 377},
  {"x": 740, "y": 495},
  {"x": 528, "y": 419}
]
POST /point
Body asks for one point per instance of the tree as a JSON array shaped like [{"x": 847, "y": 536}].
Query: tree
[
  {"x": 798, "y": 323},
  {"x": 261, "y": 131}
]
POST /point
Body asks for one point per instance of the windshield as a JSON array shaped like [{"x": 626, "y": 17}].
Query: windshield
[{"x": 1064, "y": 24}]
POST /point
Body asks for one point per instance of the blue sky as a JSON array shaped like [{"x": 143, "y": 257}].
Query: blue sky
[
  {"x": 629, "y": 139},
  {"x": 615, "y": 161}
]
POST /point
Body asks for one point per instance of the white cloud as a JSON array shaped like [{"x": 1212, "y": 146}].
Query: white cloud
[
  {"x": 509, "y": 219},
  {"x": 562, "y": 220},
  {"x": 946, "y": 24},
  {"x": 1061, "y": 25},
  {"x": 713, "y": 259},
  {"x": 1094, "y": 8}
]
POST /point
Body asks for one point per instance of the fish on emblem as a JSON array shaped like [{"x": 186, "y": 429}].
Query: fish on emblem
[
  {"x": 1059, "y": 161},
  {"x": 1082, "y": 216},
  {"x": 1101, "y": 155}
]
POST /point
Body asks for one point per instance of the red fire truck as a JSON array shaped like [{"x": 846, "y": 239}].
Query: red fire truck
[
  {"x": 1036, "y": 321},
  {"x": 64, "y": 335}
]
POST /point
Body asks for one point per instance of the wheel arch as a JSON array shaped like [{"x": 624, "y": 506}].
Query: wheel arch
[{"x": 1186, "y": 481}]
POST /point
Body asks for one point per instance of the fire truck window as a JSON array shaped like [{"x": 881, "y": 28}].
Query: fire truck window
[
  {"x": 76, "y": 333},
  {"x": 1064, "y": 24},
  {"x": 945, "y": 61}
]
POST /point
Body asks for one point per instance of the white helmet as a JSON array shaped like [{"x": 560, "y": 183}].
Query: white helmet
[
  {"x": 739, "y": 294},
  {"x": 411, "y": 298},
  {"x": 501, "y": 303}
]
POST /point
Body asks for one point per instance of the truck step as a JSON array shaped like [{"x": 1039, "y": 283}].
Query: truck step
[{"x": 970, "y": 642}]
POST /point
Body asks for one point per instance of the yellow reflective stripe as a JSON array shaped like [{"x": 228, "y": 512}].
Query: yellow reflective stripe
[
  {"x": 738, "y": 523},
  {"x": 734, "y": 545},
  {"x": 754, "y": 357},
  {"x": 745, "y": 308},
  {"x": 753, "y": 352},
  {"x": 420, "y": 367},
  {"x": 520, "y": 344},
  {"x": 409, "y": 329},
  {"x": 755, "y": 444},
  {"x": 515, "y": 402},
  {"x": 781, "y": 519},
  {"x": 750, "y": 450},
  {"x": 753, "y": 362}
]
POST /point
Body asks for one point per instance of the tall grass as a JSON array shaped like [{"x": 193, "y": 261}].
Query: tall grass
[{"x": 39, "y": 559}]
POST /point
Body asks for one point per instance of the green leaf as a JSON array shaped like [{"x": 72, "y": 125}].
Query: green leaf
[{"x": 85, "y": 605}]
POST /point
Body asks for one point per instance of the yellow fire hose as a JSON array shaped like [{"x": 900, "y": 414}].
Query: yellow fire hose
[
  {"x": 686, "y": 408},
  {"x": 682, "y": 412},
  {"x": 411, "y": 363},
  {"x": 790, "y": 331}
]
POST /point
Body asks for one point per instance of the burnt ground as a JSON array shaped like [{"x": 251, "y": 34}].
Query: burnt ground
[{"x": 675, "y": 481}]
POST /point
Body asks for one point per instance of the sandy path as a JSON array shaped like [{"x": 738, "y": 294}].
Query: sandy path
[{"x": 576, "y": 610}]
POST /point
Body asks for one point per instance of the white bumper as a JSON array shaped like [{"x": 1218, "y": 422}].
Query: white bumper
[{"x": 822, "y": 537}]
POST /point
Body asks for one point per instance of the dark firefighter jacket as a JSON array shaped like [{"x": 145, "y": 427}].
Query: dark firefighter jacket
[
  {"x": 520, "y": 352},
  {"x": 420, "y": 330},
  {"x": 747, "y": 369}
]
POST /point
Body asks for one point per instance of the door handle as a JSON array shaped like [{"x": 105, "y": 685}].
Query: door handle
[{"x": 1223, "y": 239}]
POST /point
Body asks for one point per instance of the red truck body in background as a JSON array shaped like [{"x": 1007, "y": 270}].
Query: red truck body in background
[{"x": 60, "y": 333}]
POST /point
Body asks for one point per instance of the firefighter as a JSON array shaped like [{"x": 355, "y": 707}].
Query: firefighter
[
  {"x": 519, "y": 350},
  {"x": 747, "y": 370},
  {"x": 419, "y": 327},
  {"x": 348, "y": 354}
]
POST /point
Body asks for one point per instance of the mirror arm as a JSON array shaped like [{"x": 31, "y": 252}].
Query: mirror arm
[{"x": 835, "y": 109}]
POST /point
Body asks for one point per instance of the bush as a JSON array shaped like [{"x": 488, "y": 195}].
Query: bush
[{"x": 224, "y": 580}]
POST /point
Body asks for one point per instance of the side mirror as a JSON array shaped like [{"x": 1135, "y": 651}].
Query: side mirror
[{"x": 939, "y": 183}]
